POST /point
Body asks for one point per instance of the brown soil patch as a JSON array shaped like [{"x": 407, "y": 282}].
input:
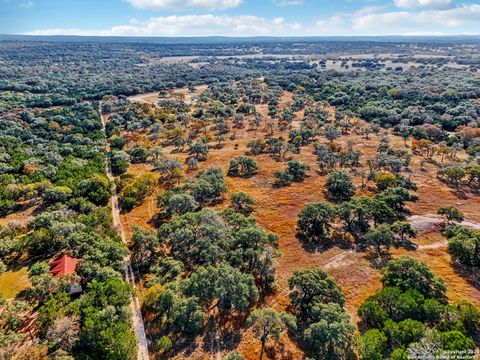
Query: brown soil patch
[{"x": 20, "y": 217}]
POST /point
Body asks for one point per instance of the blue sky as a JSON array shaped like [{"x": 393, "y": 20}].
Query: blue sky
[{"x": 239, "y": 17}]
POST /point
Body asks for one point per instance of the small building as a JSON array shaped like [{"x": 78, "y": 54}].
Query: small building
[{"x": 65, "y": 265}]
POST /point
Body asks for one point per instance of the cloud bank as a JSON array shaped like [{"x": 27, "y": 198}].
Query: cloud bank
[
  {"x": 191, "y": 25},
  {"x": 184, "y": 4},
  {"x": 373, "y": 20}
]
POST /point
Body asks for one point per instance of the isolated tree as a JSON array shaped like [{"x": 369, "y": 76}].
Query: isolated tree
[
  {"x": 269, "y": 324},
  {"x": 192, "y": 163},
  {"x": 297, "y": 170},
  {"x": 332, "y": 133},
  {"x": 242, "y": 166},
  {"x": 135, "y": 192},
  {"x": 282, "y": 178},
  {"x": 242, "y": 203},
  {"x": 157, "y": 152},
  {"x": 340, "y": 186},
  {"x": 451, "y": 214},
  {"x": 256, "y": 147},
  {"x": 315, "y": 222}
]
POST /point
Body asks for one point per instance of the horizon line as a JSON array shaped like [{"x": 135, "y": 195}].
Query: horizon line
[{"x": 246, "y": 36}]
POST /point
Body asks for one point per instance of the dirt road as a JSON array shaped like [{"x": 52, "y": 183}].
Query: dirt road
[
  {"x": 426, "y": 222},
  {"x": 137, "y": 320}
]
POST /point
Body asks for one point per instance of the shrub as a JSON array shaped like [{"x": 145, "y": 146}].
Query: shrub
[
  {"x": 164, "y": 344},
  {"x": 385, "y": 180}
]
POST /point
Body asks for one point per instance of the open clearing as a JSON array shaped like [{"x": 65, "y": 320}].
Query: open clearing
[
  {"x": 13, "y": 282},
  {"x": 276, "y": 210}
]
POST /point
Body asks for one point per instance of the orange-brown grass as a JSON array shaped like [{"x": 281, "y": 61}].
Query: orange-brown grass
[
  {"x": 141, "y": 215},
  {"x": 276, "y": 209}
]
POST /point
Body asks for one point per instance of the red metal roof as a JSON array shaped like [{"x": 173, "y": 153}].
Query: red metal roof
[{"x": 64, "y": 265}]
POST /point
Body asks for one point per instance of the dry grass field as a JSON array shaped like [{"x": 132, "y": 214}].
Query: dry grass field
[
  {"x": 13, "y": 282},
  {"x": 276, "y": 209}
]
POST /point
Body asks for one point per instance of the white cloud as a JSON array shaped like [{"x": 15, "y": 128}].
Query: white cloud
[
  {"x": 26, "y": 4},
  {"x": 417, "y": 4},
  {"x": 463, "y": 19},
  {"x": 330, "y": 22},
  {"x": 427, "y": 21},
  {"x": 184, "y": 4},
  {"x": 191, "y": 25},
  {"x": 287, "y": 2}
]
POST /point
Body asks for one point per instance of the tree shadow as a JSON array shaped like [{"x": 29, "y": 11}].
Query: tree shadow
[
  {"x": 158, "y": 219},
  {"x": 311, "y": 246},
  {"x": 469, "y": 274},
  {"x": 407, "y": 245},
  {"x": 279, "y": 351},
  {"x": 222, "y": 333},
  {"x": 460, "y": 193},
  {"x": 378, "y": 261}
]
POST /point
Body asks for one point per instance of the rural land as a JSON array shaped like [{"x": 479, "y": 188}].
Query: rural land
[{"x": 249, "y": 198}]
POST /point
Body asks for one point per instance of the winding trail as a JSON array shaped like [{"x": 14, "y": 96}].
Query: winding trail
[
  {"x": 137, "y": 320},
  {"x": 432, "y": 219},
  {"x": 428, "y": 221}
]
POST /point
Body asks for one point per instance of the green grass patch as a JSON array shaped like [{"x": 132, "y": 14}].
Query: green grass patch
[{"x": 13, "y": 282}]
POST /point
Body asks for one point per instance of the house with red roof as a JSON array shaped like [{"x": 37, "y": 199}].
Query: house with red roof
[{"x": 65, "y": 265}]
